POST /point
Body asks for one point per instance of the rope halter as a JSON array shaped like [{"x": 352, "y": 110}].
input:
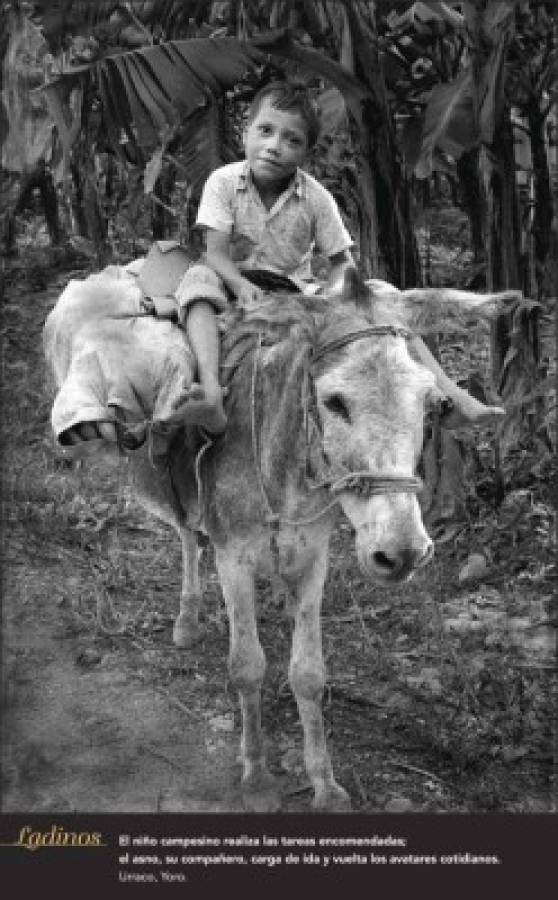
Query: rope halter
[{"x": 363, "y": 483}]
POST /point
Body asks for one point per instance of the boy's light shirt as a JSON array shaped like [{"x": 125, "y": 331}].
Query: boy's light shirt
[{"x": 281, "y": 239}]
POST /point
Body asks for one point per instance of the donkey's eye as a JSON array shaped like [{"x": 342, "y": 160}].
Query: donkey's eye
[{"x": 337, "y": 405}]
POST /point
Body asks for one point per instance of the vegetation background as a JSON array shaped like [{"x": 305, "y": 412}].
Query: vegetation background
[{"x": 440, "y": 146}]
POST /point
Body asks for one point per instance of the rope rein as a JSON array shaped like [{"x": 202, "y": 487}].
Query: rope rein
[
  {"x": 350, "y": 336},
  {"x": 273, "y": 518}
]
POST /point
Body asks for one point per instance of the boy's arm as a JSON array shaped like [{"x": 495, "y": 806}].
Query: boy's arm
[
  {"x": 339, "y": 262},
  {"x": 331, "y": 234},
  {"x": 218, "y": 255}
]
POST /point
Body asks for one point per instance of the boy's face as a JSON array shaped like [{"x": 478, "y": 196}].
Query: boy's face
[{"x": 275, "y": 143}]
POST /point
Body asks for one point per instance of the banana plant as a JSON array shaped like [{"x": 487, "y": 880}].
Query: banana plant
[
  {"x": 501, "y": 55},
  {"x": 135, "y": 62}
]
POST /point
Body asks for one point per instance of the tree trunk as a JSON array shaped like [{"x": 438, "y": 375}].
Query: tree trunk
[
  {"x": 502, "y": 227},
  {"x": 161, "y": 219},
  {"x": 543, "y": 208},
  {"x": 39, "y": 179},
  {"x": 501, "y": 233},
  {"x": 77, "y": 204},
  {"x": 514, "y": 337},
  {"x": 395, "y": 254},
  {"x": 50, "y": 206},
  {"x": 515, "y": 351},
  {"x": 86, "y": 207},
  {"x": 387, "y": 195},
  {"x": 96, "y": 222},
  {"x": 471, "y": 199}
]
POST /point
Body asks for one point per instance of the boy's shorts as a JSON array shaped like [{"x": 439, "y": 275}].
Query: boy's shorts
[{"x": 201, "y": 282}]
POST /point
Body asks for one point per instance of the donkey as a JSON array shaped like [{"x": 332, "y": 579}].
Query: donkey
[
  {"x": 325, "y": 409},
  {"x": 325, "y": 413}
]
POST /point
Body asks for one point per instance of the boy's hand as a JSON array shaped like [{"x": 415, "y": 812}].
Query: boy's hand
[{"x": 247, "y": 294}]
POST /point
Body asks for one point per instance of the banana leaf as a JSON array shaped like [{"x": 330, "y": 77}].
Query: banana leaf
[
  {"x": 448, "y": 122},
  {"x": 146, "y": 93}
]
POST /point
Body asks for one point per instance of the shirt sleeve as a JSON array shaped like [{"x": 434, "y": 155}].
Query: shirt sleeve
[
  {"x": 215, "y": 208},
  {"x": 331, "y": 235}
]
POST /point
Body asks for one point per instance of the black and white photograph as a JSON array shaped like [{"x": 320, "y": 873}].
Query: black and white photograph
[{"x": 278, "y": 379}]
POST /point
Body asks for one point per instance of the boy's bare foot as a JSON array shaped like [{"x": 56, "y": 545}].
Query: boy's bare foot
[
  {"x": 466, "y": 410},
  {"x": 87, "y": 438},
  {"x": 90, "y": 431},
  {"x": 204, "y": 407}
]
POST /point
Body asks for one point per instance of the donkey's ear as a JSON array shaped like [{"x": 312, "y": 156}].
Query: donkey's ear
[{"x": 424, "y": 310}]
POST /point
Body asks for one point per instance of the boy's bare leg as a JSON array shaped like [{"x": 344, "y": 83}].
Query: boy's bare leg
[
  {"x": 467, "y": 410},
  {"x": 205, "y": 402}
]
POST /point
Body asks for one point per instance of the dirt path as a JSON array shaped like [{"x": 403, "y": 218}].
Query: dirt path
[{"x": 82, "y": 733}]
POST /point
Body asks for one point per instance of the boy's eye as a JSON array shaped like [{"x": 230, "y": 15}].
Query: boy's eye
[{"x": 265, "y": 129}]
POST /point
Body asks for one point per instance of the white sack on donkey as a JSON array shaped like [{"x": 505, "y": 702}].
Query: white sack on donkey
[{"x": 110, "y": 359}]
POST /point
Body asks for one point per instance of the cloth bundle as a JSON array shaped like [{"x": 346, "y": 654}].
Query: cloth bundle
[{"x": 108, "y": 357}]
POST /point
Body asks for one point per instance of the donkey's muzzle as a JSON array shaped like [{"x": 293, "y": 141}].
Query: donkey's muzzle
[{"x": 397, "y": 565}]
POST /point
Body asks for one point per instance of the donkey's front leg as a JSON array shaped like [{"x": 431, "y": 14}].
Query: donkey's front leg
[
  {"x": 186, "y": 629},
  {"x": 307, "y": 679},
  {"x": 246, "y": 669}
]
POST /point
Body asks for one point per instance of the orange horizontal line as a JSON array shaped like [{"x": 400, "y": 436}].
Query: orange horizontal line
[{"x": 57, "y": 846}]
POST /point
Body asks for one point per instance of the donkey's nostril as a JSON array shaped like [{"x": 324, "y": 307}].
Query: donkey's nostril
[
  {"x": 383, "y": 561},
  {"x": 401, "y": 563}
]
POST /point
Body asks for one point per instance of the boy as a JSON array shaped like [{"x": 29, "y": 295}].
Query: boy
[{"x": 266, "y": 213}]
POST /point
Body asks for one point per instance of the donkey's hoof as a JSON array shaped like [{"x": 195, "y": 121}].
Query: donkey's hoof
[
  {"x": 186, "y": 633},
  {"x": 260, "y": 794},
  {"x": 333, "y": 799}
]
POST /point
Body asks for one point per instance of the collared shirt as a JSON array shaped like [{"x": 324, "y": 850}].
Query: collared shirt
[{"x": 282, "y": 239}]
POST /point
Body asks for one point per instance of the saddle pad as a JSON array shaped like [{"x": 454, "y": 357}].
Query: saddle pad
[{"x": 270, "y": 281}]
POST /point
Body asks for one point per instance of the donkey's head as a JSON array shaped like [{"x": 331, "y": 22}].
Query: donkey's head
[{"x": 372, "y": 396}]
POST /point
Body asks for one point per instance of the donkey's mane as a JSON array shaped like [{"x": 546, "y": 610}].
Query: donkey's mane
[{"x": 286, "y": 317}]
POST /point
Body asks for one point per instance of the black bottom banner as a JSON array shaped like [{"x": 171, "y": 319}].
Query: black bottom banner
[{"x": 52, "y": 852}]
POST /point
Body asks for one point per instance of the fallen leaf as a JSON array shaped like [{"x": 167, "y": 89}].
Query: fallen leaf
[
  {"x": 88, "y": 657},
  {"x": 511, "y": 754},
  {"x": 475, "y": 567}
]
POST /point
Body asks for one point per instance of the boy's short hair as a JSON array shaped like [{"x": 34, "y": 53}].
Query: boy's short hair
[{"x": 291, "y": 96}]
